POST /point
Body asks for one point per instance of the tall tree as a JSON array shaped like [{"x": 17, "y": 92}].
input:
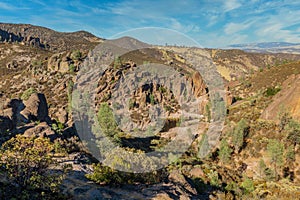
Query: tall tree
[
  {"x": 107, "y": 121},
  {"x": 225, "y": 151},
  {"x": 293, "y": 129},
  {"x": 239, "y": 133},
  {"x": 276, "y": 151}
]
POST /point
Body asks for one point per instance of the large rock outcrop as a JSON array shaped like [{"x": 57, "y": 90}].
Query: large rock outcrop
[
  {"x": 36, "y": 108},
  {"x": 40, "y": 130},
  {"x": 288, "y": 99},
  {"x": 199, "y": 87}
]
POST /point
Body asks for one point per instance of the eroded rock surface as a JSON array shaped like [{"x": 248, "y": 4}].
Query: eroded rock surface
[{"x": 288, "y": 99}]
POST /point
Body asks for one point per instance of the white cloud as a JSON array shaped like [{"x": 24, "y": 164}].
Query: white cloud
[
  {"x": 184, "y": 28},
  {"x": 212, "y": 19},
  {"x": 9, "y": 7},
  {"x": 231, "y": 5},
  {"x": 39, "y": 2},
  {"x": 231, "y": 27},
  {"x": 277, "y": 27},
  {"x": 5, "y": 6}
]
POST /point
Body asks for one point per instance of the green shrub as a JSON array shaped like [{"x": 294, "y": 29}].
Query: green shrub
[
  {"x": 239, "y": 133},
  {"x": 146, "y": 62},
  {"x": 232, "y": 186},
  {"x": 76, "y": 55},
  {"x": 152, "y": 99},
  {"x": 290, "y": 154},
  {"x": 293, "y": 129},
  {"x": 225, "y": 151},
  {"x": 284, "y": 119},
  {"x": 238, "y": 98},
  {"x": 214, "y": 178},
  {"x": 247, "y": 185},
  {"x": 71, "y": 68},
  {"x": 271, "y": 91},
  {"x": 25, "y": 162},
  {"x": 27, "y": 93},
  {"x": 107, "y": 122},
  {"x": 70, "y": 90},
  {"x": 162, "y": 89},
  {"x": 37, "y": 63},
  {"x": 276, "y": 151},
  {"x": 270, "y": 174},
  {"x": 106, "y": 175},
  {"x": 58, "y": 127},
  {"x": 117, "y": 62},
  {"x": 131, "y": 104},
  {"x": 208, "y": 112},
  {"x": 262, "y": 167}
]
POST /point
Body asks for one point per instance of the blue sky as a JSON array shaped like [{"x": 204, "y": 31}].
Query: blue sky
[{"x": 212, "y": 23}]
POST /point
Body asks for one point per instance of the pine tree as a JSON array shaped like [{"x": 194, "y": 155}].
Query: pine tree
[
  {"x": 276, "y": 151},
  {"x": 239, "y": 134},
  {"x": 107, "y": 121},
  {"x": 262, "y": 167},
  {"x": 293, "y": 129},
  {"x": 225, "y": 151}
]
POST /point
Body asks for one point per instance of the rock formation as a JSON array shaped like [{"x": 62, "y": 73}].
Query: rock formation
[{"x": 287, "y": 100}]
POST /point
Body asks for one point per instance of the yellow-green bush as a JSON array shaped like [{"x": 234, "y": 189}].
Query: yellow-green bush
[
  {"x": 26, "y": 161},
  {"x": 27, "y": 93},
  {"x": 106, "y": 175}
]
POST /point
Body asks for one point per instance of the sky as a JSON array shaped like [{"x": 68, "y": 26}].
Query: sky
[{"x": 212, "y": 23}]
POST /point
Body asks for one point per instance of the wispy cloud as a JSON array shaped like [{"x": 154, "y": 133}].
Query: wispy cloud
[
  {"x": 231, "y": 5},
  {"x": 39, "y": 2},
  {"x": 6, "y": 6},
  {"x": 10, "y": 7},
  {"x": 211, "y": 22},
  {"x": 231, "y": 28}
]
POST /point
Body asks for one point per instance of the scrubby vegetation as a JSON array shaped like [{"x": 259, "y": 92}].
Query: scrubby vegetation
[
  {"x": 106, "y": 175},
  {"x": 27, "y": 93},
  {"x": 29, "y": 166}
]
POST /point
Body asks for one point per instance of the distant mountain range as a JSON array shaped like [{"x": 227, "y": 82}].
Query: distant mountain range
[{"x": 268, "y": 47}]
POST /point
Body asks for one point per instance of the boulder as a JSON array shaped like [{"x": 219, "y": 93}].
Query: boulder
[
  {"x": 40, "y": 130},
  {"x": 197, "y": 172},
  {"x": 182, "y": 184},
  {"x": 62, "y": 115},
  {"x": 36, "y": 108},
  {"x": 199, "y": 87},
  {"x": 61, "y": 62},
  {"x": 54, "y": 62}
]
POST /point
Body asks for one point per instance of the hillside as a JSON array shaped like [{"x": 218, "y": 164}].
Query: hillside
[
  {"x": 46, "y": 38},
  {"x": 42, "y": 155}
]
